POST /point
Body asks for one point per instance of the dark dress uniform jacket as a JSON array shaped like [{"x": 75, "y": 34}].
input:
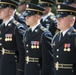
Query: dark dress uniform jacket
[
  {"x": 10, "y": 42},
  {"x": 50, "y": 24},
  {"x": 65, "y": 53},
  {"x": 38, "y": 56}
]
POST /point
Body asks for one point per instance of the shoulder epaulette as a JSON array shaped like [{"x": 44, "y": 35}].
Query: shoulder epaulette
[
  {"x": 16, "y": 22},
  {"x": 17, "y": 13},
  {"x": 74, "y": 30},
  {"x": 43, "y": 28},
  {"x": 52, "y": 17}
]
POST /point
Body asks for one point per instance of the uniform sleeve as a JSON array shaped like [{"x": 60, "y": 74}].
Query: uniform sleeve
[
  {"x": 20, "y": 47},
  {"x": 47, "y": 54},
  {"x": 53, "y": 27}
]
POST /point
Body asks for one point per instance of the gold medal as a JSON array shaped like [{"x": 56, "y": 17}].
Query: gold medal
[
  {"x": 32, "y": 46},
  {"x": 5, "y": 39},
  {"x": 10, "y": 39},
  {"x": 37, "y": 47},
  {"x": 65, "y": 49},
  {"x": 68, "y": 49}
]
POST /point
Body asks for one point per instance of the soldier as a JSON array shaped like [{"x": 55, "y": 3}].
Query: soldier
[
  {"x": 37, "y": 39},
  {"x": 48, "y": 19},
  {"x": 18, "y": 15},
  {"x": 22, "y": 6},
  {"x": 64, "y": 42},
  {"x": 73, "y": 4},
  {"x": 10, "y": 40}
]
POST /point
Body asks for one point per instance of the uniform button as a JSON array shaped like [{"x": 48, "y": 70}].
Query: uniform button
[
  {"x": 72, "y": 70},
  {"x": 57, "y": 49},
  {"x": 15, "y": 60},
  {"x": 0, "y": 44},
  {"x": 27, "y": 45},
  {"x": 57, "y": 56},
  {"x": 0, "y": 38},
  {"x": 26, "y": 51},
  {"x": 15, "y": 56},
  {"x": 57, "y": 62}
]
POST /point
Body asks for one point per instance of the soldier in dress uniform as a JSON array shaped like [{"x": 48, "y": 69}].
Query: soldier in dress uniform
[
  {"x": 71, "y": 3},
  {"x": 10, "y": 40},
  {"x": 18, "y": 15},
  {"x": 48, "y": 19},
  {"x": 37, "y": 41},
  {"x": 64, "y": 42}
]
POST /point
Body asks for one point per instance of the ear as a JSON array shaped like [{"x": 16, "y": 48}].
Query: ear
[
  {"x": 38, "y": 17},
  {"x": 11, "y": 11},
  {"x": 72, "y": 21}
]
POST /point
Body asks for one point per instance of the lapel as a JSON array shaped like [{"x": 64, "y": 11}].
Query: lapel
[
  {"x": 67, "y": 35},
  {"x": 7, "y": 28},
  {"x": 47, "y": 19},
  {"x": 33, "y": 34}
]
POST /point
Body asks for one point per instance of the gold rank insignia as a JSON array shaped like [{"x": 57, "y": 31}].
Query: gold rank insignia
[
  {"x": 69, "y": 33},
  {"x": 18, "y": 13},
  {"x": 36, "y": 30},
  {"x": 9, "y": 24},
  {"x": 67, "y": 47},
  {"x": 8, "y": 37},
  {"x": 35, "y": 44},
  {"x": 15, "y": 22}
]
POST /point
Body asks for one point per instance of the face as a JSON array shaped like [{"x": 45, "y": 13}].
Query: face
[
  {"x": 31, "y": 20},
  {"x": 73, "y": 5},
  {"x": 63, "y": 23},
  {"x": 22, "y": 7},
  {"x": 4, "y": 13},
  {"x": 47, "y": 10}
]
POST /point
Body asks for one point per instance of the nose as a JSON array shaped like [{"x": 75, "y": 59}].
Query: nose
[{"x": 27, "y": 17}]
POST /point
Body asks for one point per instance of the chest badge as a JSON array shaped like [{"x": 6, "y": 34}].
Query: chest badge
[
  {"x": 35, "y": 44},
  {"x": 8, "y": 37},
  {"x": 67, "y": 47}
]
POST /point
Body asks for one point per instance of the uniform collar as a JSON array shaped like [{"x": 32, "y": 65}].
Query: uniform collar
[
  {"x": 44, "y": 17},
  {"x": 6, "y": 23},
  {"x": 64, "y": 32},
  {"x": 33, "y": 28}
]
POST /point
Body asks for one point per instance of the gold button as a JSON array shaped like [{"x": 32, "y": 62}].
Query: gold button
[
  {"x": 15, "y": 60},
  {"x": 26, "y": 51},
  {"x": 0, "y": 38},
  {"x": 27, "y": 45},
  {"x": 0, "y": 44},
  {"x": 57, "y": 49},
  {"x": 57, "y": 56}
]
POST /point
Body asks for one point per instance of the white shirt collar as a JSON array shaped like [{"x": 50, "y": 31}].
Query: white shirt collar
[
  {"x": 64, "y": 32},
  {"x": 35, "y": 26},
  {"x": 44, "y": 17},
  {"x": 8, "y": 21}
]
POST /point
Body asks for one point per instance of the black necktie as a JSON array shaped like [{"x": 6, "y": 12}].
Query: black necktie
[
  {"x": 61, "y": 36},
  {"x": 30, "y": 31}
]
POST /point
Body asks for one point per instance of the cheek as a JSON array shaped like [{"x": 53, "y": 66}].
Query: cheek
[{"x": 28, "y": 21}]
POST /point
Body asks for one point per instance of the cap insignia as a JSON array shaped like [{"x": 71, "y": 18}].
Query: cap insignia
[
  {"x": 27, "y": 6},
  {"x": 58, "y": 6}
]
